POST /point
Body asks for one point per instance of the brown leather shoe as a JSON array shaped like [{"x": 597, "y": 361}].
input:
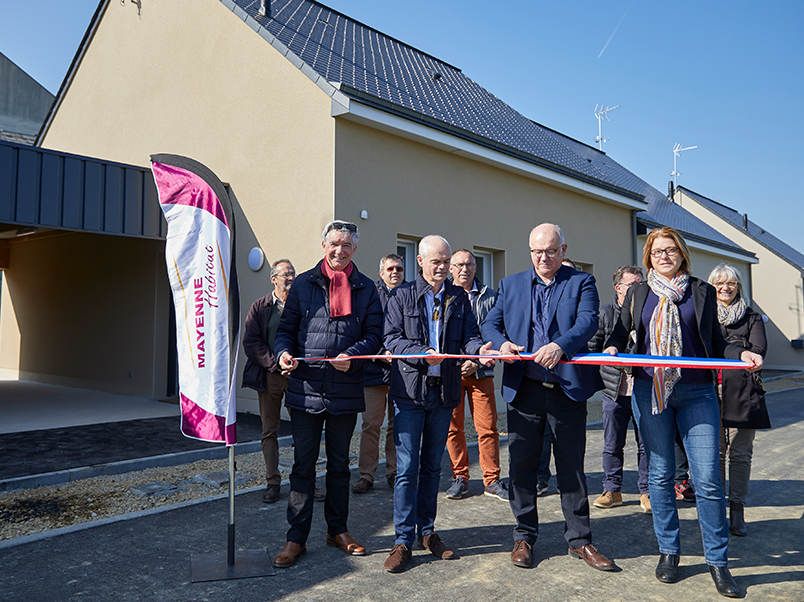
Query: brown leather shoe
[
  {"x": 288, "y": 555},
  {"x": 271, "y": 494},
  {"x": 362, "y": 485},
  {"x": 399, "y": 557},
  {"x": 592, "y": 557},
  {"x": 318, "y": 495},
  {"x": 345, "y": 542},
  {"x": 522, "y": 554},
  {"x": 437, "y": 547}
]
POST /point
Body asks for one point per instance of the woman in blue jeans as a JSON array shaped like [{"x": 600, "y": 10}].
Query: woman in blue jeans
[{"x": 675, "y": 314}]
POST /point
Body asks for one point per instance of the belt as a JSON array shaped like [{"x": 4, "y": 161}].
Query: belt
[
  {"x": 433, "y": 381},
  {"x": 542, "y": 383}
]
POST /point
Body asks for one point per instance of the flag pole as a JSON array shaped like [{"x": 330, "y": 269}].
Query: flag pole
[
  {"x": 200, "y": 256},
  {"x": 231, "y": 538}
]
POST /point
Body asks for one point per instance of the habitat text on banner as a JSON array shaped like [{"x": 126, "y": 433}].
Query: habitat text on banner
[{"x": 201, "y": 265}]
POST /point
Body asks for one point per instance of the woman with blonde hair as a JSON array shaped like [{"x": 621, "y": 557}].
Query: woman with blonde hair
[
  {"x": 742, "y": 400},
  {"x": 675, "y": 314}
]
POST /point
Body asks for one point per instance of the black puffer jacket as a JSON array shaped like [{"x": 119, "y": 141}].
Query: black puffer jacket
[
  {"x": 378, "y": 372},
  {"x": 743, "y": 400},
  {"x": 307, "y": 330},
  {"x": 611, "y": 375}
]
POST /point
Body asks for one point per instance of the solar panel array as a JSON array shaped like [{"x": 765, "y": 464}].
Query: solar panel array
[{"x": 345, "y": 51}]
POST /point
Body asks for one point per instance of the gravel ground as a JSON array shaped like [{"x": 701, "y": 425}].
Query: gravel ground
[{"x": 35, "y": 510}]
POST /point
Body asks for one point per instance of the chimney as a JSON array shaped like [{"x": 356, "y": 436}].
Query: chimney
[
  {"x": 671, "y": 192},
  {"x": 265, "y": 8},
  {"x": 745, "y": 222}
]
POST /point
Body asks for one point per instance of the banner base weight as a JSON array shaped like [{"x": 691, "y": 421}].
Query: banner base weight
[{"x": 215, "y": 567}]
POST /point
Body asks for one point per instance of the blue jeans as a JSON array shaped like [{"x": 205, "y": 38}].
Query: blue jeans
[
  {"x": 420, "y": 434},
  {"x": 693, "y": 409}
]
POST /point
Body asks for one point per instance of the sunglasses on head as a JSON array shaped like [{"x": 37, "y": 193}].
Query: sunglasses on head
[{"x": 339, "y": 225}]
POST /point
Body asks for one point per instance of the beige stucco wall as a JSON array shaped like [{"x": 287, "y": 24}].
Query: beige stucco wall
[
  {"x": 79, "y": 310},
  {"x": 188, "y": 77},
  {"x": 412, "y": 189},
  {"x": 777, "y": 289}
]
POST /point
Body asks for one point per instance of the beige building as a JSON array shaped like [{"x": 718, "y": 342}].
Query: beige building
[
  {"x": 308, "y": 116},
  {"x": 776, "y": 279}
]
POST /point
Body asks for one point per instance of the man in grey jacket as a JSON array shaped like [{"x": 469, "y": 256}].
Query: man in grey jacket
[{"x": 477, "y": 384}]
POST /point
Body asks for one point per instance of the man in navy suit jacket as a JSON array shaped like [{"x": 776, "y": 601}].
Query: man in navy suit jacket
[{"x": 550, "y": 311}]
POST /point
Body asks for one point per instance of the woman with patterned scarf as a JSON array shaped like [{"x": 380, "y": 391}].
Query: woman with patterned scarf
[
  {"x": 675, "y": 314},
  {"x": 742, "y": 400}
]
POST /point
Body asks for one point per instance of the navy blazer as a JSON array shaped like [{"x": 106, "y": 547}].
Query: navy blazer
[{"x": 572, "y": 316}]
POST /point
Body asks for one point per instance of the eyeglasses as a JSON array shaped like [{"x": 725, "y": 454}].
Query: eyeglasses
[
  {"x": 550, "y": 253},
  {"x": 462, "y": 266},
  {"x": 669, "y": 251},
  {"x": 339, "y": 225},
  {"x": 395, "y": 269},
  {"x": 287, "y": 275},
  {"x": 630, "y": 284},
  {"x": 729, "y": 283}
]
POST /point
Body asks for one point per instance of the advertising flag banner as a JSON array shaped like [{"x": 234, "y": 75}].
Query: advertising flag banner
[{"x": 200, "y": 258}]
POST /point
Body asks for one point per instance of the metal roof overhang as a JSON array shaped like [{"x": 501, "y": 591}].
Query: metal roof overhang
[{"x": 47, "y": 189}]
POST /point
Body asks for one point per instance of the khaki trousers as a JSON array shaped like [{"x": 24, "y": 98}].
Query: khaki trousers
[
  {"x": 270, "y": 411},
  {"x": 376, "y": 404},
  {"x": 483, "y": 407}
]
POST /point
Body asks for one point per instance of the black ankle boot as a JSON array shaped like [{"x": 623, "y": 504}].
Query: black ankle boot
[
  {"x": 724, "y": 582},
  {"x": 667, "y": 569},
  {"x": 737, "y": 519}
]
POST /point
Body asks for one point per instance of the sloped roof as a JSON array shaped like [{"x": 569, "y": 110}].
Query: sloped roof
[
  {"x": 755, "y": 231},
  {"x": 370, "y": 66},
  {"x": 660, "y": 211}
]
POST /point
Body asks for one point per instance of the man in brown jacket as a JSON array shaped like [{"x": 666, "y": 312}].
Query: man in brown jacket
[{"x": 262, "y": 372}]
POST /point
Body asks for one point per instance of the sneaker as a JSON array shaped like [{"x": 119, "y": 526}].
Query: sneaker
[
  {"x": 609, "y": 499},
  {"x": 400, "y": 556},
  {"x": 644, "y": 503},
  {"x": 497, "y": 489},
  {"x": 542, "y": 486},
  {"x": 458, "y": 489},
  {"x": 271, "y": 494},
  {"x": 362, "y": 485},
  {"x": 437, "y": 547},
  {"x": 684, "y": 491}
]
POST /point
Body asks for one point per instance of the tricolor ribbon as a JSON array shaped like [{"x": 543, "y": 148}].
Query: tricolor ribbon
[{"x": 589, "y": 359}]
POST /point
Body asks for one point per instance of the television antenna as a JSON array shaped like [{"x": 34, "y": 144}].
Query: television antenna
[
  {"x": 601, "y": 114},
  {"x": 677, "y": 150}
]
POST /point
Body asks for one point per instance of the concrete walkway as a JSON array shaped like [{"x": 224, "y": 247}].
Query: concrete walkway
[{"x": 148, "y": 558}]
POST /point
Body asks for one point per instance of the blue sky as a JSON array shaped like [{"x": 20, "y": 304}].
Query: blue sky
[{"x": 725, "y": 76}]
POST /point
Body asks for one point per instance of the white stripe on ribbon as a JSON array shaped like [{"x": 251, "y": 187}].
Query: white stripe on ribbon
[{"x": 590, "y": 359}]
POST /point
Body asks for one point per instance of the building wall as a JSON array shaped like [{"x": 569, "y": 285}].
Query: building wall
[
  {"x": 188, "y": 77},
  {"x": 410, "y": 190},
  {"x": 23, "y": 101},
  {"x": 80, "y": 310},
  {"x": 777, "y": 290}
]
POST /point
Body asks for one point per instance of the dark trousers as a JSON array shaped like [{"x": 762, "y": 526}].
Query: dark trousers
[
  {"x": 617, "y": 415},
  {"x": 533, "y": 407},
  {"x": 306, "y": 429}
]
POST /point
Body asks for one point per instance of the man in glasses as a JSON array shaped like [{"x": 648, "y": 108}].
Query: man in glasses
[
  {"x": 426, "y": 316},
  {"x": 477, "y": 385},
  {"x": 617, "y": 413},
  {"x": 378, "y": 379},
  {"x": 262, "y": 372},
  {"x": 331, "y": 311},
  {"x": 550, "y": 311}
]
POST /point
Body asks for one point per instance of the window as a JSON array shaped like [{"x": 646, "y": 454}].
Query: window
[
  {"x": 485, "y": 267},
  {"x": 406, "y": 249}
]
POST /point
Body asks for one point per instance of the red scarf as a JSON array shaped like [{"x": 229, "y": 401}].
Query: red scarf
[{"x": 340, "y": 292}]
